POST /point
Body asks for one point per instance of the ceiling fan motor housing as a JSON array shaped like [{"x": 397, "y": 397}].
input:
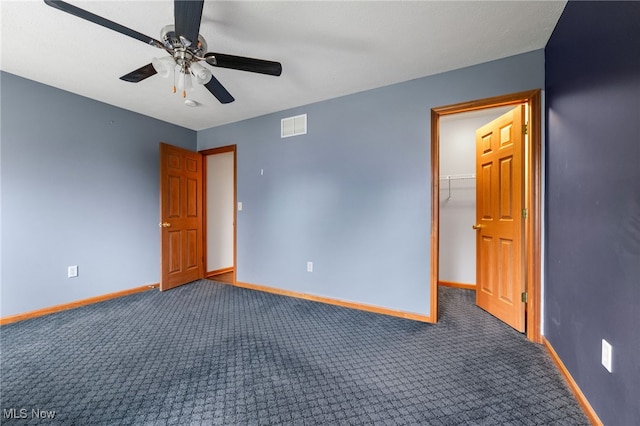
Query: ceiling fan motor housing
[{"x": 183, "y": 50}]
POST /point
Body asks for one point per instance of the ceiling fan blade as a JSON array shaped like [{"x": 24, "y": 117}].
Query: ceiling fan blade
[
  {"x": 91, "y": 17},
  {"x": 140, "y": 74},
  {"x": 217, "y": 89},
  {"x": 244, "y": 64},
  {"x": 187, "y": 15}
]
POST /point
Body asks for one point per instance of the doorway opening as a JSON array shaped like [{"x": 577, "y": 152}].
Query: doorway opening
[
  {"x": 219, "y": 233},
  {"x": 444, "y": 185}
]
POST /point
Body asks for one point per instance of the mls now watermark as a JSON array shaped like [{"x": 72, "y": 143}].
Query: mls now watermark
[{"x": 23, "y": 413}]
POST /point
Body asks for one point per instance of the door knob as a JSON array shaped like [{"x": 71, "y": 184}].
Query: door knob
[
  {"x": 164, "y": 225},
  {"x": 478, "y": 226}
]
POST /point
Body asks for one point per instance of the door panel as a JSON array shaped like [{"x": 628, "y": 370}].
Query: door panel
[
  {"x": 505, "y": 274},
  {"x": 505, "y": 189},
  {"x": 181, "y": 216},
  {"x": 173, "y": 197},
  {"x": 484, "y": 201},
  {"x": 192, "y": 248},
  {"x": 500, "y": 199},
  {"x": 485, "y": 282},
  {"x": 175, "y": 251},
  {"x": 192, "y": 198}
]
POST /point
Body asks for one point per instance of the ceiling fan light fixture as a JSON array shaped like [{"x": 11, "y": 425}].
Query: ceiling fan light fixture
[
  {"x": 200, "y": 73},
  {"x": 184, "y": 81},
  {"x": 164, "y": 66}
]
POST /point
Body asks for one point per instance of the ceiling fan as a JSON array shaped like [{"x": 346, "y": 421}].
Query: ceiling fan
[{"x": 186, "y": 49}]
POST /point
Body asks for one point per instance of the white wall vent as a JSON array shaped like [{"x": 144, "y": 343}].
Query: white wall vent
[{"x": 293, "y": 126}]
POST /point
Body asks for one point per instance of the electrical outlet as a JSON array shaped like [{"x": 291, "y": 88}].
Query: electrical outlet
[
  {"x": 607, "y": 353},
  {"x": 239, "y": 206},
  {"x": 309, "y": 266},
  {"x": 72, "y": 271}
]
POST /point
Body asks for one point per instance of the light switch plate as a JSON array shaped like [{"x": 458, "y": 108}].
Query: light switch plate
[{"x": 72, "y": 271}]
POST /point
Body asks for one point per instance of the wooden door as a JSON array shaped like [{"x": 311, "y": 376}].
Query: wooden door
[
  {"x": 499, "y": 222},
  {"x": 180, "y": 216}
]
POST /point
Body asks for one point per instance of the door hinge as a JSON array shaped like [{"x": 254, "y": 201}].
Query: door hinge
[
  {"x": 523, "y": 296},
  {"x": 524, "y": 213},
  {"x": 525, "y": 129}
]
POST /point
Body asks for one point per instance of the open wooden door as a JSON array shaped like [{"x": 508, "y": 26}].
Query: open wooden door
[
  {"x": 181, "y": 216},
  {"x": 499, "y": 218}
]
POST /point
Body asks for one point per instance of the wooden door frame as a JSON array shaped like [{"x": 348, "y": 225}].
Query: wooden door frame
[
  {"x": 205, "y": 153},
  {"x": 532, "y": 198}
]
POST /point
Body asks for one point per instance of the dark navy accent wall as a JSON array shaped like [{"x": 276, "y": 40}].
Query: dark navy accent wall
[
  {"x": 80, "y": 186},
  {"x": 592, "y": 286}
]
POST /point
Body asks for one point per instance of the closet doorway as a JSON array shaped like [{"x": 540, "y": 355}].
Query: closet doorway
[
  {"x": 219, "y": 182},
  {"x": 457, "y": 266},
  {"x": 454, "y": 194}
]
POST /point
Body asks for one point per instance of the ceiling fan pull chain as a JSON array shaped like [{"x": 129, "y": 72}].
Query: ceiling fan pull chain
[
  {"x": 173, "y": 89},
  {"x": 174, "y": 81}
]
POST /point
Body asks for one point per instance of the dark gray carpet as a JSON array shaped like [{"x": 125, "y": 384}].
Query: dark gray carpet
[{"x": 208, "y": 353}]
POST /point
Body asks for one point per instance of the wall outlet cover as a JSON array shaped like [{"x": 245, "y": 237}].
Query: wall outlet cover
[{"x": 607, "y": 353}]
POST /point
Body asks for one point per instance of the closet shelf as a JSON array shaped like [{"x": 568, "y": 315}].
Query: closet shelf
[{"x": 449, "y": 178}]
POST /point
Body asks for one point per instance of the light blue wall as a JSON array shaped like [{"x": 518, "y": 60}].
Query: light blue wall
[
  {"x": 80, "y": 186},
  {"x": 352, "y": 195}
]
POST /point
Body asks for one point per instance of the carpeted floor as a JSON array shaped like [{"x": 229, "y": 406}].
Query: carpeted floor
[{"x": 208, "y": 353}]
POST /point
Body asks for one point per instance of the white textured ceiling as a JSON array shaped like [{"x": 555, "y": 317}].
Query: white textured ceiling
[{"x": 327, "y": 49}]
